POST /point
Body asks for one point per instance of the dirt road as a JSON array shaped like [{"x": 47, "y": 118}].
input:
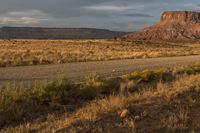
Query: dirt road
[{"x": 77, "y": 71}]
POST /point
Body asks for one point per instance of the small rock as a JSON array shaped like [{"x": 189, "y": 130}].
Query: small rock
[
  {"x": 124, "y": 113},
  {"x": 113, "y": 70},
  {"x": 137, "y": 117}
]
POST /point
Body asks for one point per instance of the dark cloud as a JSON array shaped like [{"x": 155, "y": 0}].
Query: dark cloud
[
  {"x": 66, "y": 8},
  {"x": 138, "y": 15},
  {"x": 96, "y": 13}
]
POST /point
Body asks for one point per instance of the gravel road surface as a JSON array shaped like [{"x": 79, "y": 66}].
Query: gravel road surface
[{"x": 77, "y": 71}]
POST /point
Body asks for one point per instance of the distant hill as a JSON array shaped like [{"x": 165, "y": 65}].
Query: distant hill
[
  {"x": 173, "y": 25},
  {"x": 57, "y": 33}
]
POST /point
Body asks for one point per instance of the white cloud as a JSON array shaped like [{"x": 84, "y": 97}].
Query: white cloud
[
  {"x": 28, "y": 17},
  {"x": 109, "y": 8}
]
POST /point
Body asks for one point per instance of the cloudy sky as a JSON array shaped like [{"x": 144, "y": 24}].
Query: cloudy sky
[{"x": 122, "y": 15}]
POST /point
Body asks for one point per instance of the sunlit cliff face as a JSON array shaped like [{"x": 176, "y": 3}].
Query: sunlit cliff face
[
  {"x": 180, "y": 16},
  {"x": 173, "y": 25}
]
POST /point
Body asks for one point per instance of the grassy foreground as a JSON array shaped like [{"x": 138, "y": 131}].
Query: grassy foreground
[
  {"x": 142, "y": 101},
  {"x": 35, "y": 52}
]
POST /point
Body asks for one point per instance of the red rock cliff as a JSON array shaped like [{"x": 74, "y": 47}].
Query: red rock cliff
[
  {"x": 180, "y": 16},
  {"x": 173, "y": 25}
]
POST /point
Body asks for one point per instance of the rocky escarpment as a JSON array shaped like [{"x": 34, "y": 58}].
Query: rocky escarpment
[
  {"x": 56, "y": 33},
  {"x": 173, "y": 25},
  {"x": 180, "y": 16}
]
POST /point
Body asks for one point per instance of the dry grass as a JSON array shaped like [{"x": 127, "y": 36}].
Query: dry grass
[
  {"x": 34, "y": 52},
  {"x": 150, "y": 111},
  {"x": 156, "y": 105},
  {"x": 177, "y": 120},
  {"x": 160, "y": 109}
]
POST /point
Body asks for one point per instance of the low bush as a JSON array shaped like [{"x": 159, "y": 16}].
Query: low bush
[
  {"x": 106, "y": 87},
  {"x": 92, "y": 86},
  {"x": 16, "y": 104},
  {"x": 193, "y": 70},
  {"x": 57, "y": 91},
  {"x": 20, "y": 63},
  {"x": 19, "y": 103},
  {"x": 146, "y": 75}
]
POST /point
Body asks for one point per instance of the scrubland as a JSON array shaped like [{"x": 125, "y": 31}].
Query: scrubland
[
  {"x": 165, "y": 100},
  {"x": 37, "y": 52}
]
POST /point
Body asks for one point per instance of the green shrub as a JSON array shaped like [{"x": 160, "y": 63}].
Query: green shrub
[
  {"x": 193, "y": 70},
  {"x": 94, "y": 87},
  {"x": 106, "y": 87},
  {"x": 6, "y": 108},
  {"x": 146, "y": 75},
  {"x": 20, "y": 63},
  {"x": 197, "y": 88},
  {"x": 91, "y": 87},
  {"x": 16, "y": 103},
  {"x": 92, "y": 79},
  {"x": 89, "y": 92},
  {"x": 57, "y": 91}
]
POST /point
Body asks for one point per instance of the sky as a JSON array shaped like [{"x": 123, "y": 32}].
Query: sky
[{"x": 118, "y": 15}]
